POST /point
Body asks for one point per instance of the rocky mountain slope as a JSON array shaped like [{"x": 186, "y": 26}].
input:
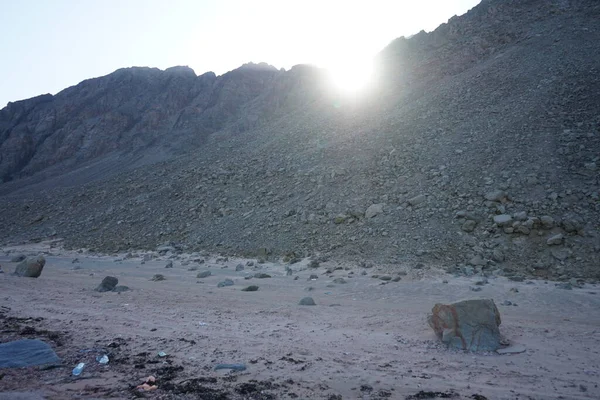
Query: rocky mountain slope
[{"x": 478, "y": 151}]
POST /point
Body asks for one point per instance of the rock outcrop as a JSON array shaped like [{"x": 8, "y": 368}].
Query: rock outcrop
[
  {"x": 471, "y": 325},
  {"x": 31, "y": 267}
]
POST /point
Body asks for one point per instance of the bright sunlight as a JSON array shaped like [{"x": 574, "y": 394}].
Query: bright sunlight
[{"x": 351, "y": 76}]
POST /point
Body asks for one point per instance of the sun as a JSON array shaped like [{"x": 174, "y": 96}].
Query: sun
[{"x": 351, "y": 76}]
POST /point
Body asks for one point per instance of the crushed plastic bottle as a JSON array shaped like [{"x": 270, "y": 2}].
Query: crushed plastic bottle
[
  {"x": 102, "y": 359},
  {"x": 78, "y": 369}
]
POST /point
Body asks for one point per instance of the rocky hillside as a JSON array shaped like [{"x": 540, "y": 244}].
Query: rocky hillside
[{"x": 478, "y": 151}]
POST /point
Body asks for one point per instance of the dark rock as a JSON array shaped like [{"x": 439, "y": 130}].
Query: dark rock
[
  {"x": 339, "y": 280},
  {"x": 469, "y": 325},
  {"x": 313, "y": 277},
  {"x": 239, "y": 267},
  {"x": 107, "y": 284},
  {"x": 226, "y": 282},
  {"x": 158, "y": 277},
  {"x": 307, "y": 301},
  {"x": 251, "y": 288},
  {"x": 385, "y": 278},
  {"x": 564, "y": 285},
  {"x": 261, "y": 275},
  {"x": 31, "y": 267},
  {"x": 203, "y": 274},
  {"x": 169, "y": 264}
]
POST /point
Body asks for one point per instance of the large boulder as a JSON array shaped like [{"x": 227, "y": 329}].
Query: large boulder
[
  {"x": 468, "y": 325},
  {"x": 31, "y": 267}
]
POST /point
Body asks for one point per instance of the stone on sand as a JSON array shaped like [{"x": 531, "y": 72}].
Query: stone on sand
[
  {"x": 226, "y": 282},
  {"x": 307, "y": 301},
  {"x": 31, "y": 267},
  {"x": 203, "y": 274},
  {"x": 107, "y": 284},
  {"x": 468, "y": 325}
]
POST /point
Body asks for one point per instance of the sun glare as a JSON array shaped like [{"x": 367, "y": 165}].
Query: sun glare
[{"x": 352, "y": 76}]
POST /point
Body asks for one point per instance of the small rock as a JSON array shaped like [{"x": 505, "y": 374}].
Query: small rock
[
  {"x": 385, "y": 278},
  {"x": 475, "y": 289},
  {"x": 313, "y": 264},
  {"x": 507, "y": 303},
  {"x": 158, "y": 277},
  {"x": 307, "y": 301},
  {"x": 251, "y": 288},
  {"x": 477, "y": 260},
  {"x": 520, "y": 216},
  {"x": 339, "y": 280},
  {"x": 503, "y": 219},
  {"x": 107, "y": 284},
  {"x": 497, "y": 255},
  {"x": 226, "y": 282},
  {"x": 564, "y": 285},
  {"x": 296, "y": 278},
  {"x": 203, "y": 274},
  {"x": 261, "y": 275},
  {"x": 547, "y": 221},
  {"x": 121, "y": 289},
  {"x": 313, "y": 277},
  {"x": 239, "y": 267},
  {"x": 30, "y": 267},
  {"x": 514, "y": 290},
  {"x": 469, "y": 225},
  {"x": 555, "y": 240},
  {"x": 416, "y": 200},
  {"x": 374, "y": 210},
  {"x": 397, "y": 279},
  {"x": 169, "y": 264},
  {"x": 496, "y": 195}
]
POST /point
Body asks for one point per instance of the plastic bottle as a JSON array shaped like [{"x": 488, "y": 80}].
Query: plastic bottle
[
  {"x": 78, "y": 369},
  {"x": 102, "y": 359}
]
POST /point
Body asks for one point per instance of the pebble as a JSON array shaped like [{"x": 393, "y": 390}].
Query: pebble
[
  {"x": 158, "y": 277},
  {"x": 251, "y": 288},
  {"x": 169, "y": 264}
]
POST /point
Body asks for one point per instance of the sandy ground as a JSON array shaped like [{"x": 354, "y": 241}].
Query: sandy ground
[{"x": 363, "y": 339}]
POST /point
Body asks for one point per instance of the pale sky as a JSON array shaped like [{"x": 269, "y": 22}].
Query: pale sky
[{"x": 48, "y": 45}]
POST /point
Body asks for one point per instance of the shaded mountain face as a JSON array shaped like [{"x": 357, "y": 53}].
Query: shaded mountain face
[
  {"x": 478, "y": 152},
  {"x": 130, "y": 111}
]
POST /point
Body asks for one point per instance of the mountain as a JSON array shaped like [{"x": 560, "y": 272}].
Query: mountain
[{"x": 477, "y": 151}]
